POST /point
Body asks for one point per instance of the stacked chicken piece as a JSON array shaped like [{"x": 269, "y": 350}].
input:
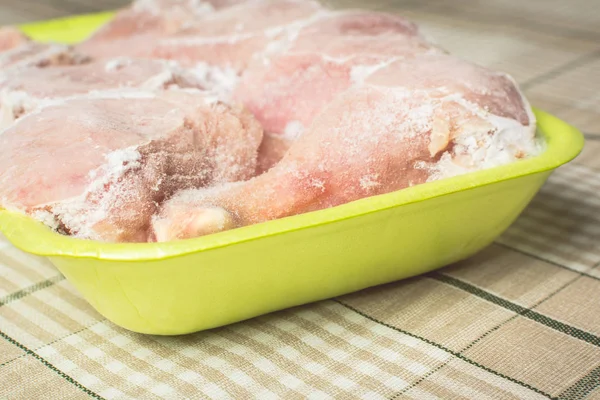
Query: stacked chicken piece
[{"x": 182, "y": 118}]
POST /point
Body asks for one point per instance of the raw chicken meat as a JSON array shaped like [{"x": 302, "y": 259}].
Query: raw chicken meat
[
  {"x": 228, "y": 37},
  {"x": 10, "y": 38},
  {"x": 232, "y": 37},
  {"x": 287, "y": 91},
  {"x": 158, "y": 17},
  {"x": 23, "y": 89},
  {"x": 66, "y": 81},
  {"x": 116, "y": 156},
  {"x": 17, "y": 52},
  {"x": 412, "y": 121},
  {"x": 350, "y": 23},
  {"x": 151, "y": 18},
  {"x": 135, "y": 29},
  {"x": 33, "y": 54},
  {"x": 157, "y": 119},
  {"x": 26, "y": 66},
  {"x": 271, "y": 151},
  {"x": 446, "y": 75}
]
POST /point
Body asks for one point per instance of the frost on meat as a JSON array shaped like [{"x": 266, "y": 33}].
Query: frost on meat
[
  {"x": 10, "y": 38},
  {"x": 114, "y": 158},
  {"x": 326, "y": 58},
  {"x": 412, "y": 121},
  {"x": 228, "y": 37},
  {"x": 24, "y": 89},
  {"x": 18, "y": 51},
  {"x": 287, "y": 89},
  {"x": 157, "y": 119}
]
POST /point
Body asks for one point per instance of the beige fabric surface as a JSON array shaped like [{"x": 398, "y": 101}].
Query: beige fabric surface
[{"x": 519, "y": 320}]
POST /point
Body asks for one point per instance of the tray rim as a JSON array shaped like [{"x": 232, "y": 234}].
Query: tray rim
[{"x": 66, "y": 30}]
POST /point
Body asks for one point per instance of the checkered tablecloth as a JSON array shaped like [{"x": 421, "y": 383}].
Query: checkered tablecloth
[{"x": 519, "y": 320}]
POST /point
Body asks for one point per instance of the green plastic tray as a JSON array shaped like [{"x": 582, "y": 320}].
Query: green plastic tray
[{"x": 187, "y": 286}]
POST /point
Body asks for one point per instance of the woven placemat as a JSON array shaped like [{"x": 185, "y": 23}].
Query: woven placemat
[{"x": 519, "y": 320}]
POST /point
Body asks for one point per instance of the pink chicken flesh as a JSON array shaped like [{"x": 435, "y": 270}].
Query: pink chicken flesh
[
  {"x": 116, "y": 158},
  {"x": 399, "y": 128},
  {"x": 228, "y": 37},
  {"x": 232, "y": 37},
  {"x": 182, "y": 118},
  {"x": 136, "y": 28},
  {"x": 289, "y": 89},
  {"x": 32, "y": 54},
  {"x": 24, "y": 89},
  {"x": 17, "y": 51},
  {"x": 10, "y": 38}
]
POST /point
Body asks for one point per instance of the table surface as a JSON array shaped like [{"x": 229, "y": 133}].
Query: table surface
[{"x": 519, "y": 320}]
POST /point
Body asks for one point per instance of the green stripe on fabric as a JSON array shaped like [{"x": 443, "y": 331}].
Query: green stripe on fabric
[
  {"x": 439, "y": 346},
  {"x": 556, "y": 264},
  {"x": 523, "y": 311},
  {"x": 54, "y": 341},
  {"x": 30, "y": 289},
  {"x": 419, "y": 381},
  {"x": 51, "y": 367},
  {"x": 583, "y": 387}
]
